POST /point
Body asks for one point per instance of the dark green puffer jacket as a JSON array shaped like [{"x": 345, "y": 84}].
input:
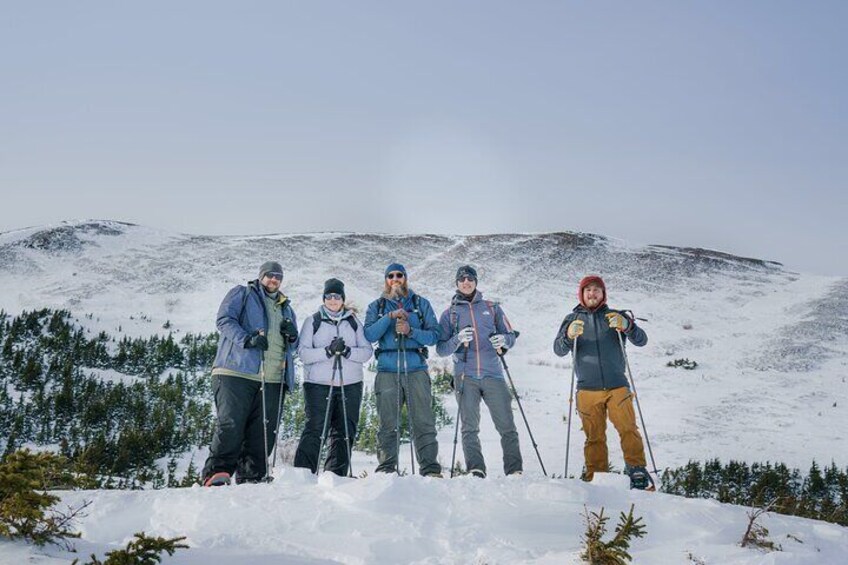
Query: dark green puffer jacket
[{"x": 600, "y": 364}]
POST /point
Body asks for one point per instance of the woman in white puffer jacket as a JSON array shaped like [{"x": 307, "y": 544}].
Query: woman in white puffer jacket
[{"x": 331, "y": 336}]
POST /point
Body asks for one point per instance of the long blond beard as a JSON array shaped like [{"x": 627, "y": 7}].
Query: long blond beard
[{"x": 395, "y": 292}]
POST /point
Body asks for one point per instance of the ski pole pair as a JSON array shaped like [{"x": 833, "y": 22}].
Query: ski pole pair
[
  {"x": 337, "y": 366},
  {"x": 636, "y": 396},
  {"x": 268, "y": 477},
  {"x": 401, "y": 352}
]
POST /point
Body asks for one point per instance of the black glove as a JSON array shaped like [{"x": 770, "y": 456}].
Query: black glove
[
  {"x": 288, "y": 330},
  {"x": 337, "y": 346},
  {"x": 256, "y": 341}
]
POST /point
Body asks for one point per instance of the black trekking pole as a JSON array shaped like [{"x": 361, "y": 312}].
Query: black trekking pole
[
  {"x": 458, "y": 405},
  {"x": 279, "y": 408},
  {"x": 570, "y": 402},
  {"x": 344, "y": 415},
  {"x": 267, "y": 476},
  {"x": 408, "y": 407},
  {"x": 397, "y": 423},
  {"x": 326, "y": 419},
  {"x": 501, "y": 354},
  {"x": 636, "y": 396}
]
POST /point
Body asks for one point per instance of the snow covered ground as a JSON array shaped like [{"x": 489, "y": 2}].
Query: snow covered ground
[
  {"x": 299, "y": 519},
  {"x": 771, "y": 348}
]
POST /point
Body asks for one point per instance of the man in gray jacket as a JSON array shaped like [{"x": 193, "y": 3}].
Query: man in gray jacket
[
  {"x": 258, "y": 332},
  {"x": 474, "y": 330},
  {"x": 602, "y": 387}
]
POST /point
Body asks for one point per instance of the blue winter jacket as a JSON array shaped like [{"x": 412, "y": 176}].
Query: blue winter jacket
[
  {"x": 380, "y": 329},
  {"x": 600, "y": 363},
  {"x": 480, "y": 359},
  {"x": 235, "y": 324}
]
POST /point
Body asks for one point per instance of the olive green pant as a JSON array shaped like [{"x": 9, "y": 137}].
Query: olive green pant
[{"x": 594, "y": 406}]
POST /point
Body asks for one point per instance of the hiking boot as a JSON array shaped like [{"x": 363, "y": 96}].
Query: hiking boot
[
  {"x": 639, "y": 477},
  {"x": 388, "y": 469},
  {"x": 515, "y": 474},
  {"x": 479, "y": 473},
  {"x": 220, "y": 479},
  {"x": 434, "y": 474},
  {"x": 253, "y": 480}
]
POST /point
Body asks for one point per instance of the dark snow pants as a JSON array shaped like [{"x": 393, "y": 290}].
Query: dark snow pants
[
  {"x": 315, "y": 396},
  {"x": 237, "y": 444},
  {"x": 415, "y": 389}
]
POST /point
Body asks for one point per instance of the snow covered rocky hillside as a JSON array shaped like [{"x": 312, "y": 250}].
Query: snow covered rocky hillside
[{"x": 771, "y": 348}]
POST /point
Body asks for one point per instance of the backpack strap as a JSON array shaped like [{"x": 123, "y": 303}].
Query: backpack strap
[
  {"x": 317, "y": 319},
  {"x": 244, "y": 303},
  {"x": 416, "y": 307},
  {"x": 454, "y": 318}
]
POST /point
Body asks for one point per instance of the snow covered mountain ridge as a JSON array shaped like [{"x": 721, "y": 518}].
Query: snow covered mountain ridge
[
  {"x": 771, "y": 348},
  {"x": 752, "y": 326}
]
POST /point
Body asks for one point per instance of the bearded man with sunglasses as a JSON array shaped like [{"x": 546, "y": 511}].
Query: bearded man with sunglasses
[
  {"x": 403, "y": 324},
  {"x": 252, "y": 370}
]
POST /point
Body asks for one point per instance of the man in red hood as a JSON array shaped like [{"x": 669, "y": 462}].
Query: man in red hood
[{"x": 602, "y": 388}]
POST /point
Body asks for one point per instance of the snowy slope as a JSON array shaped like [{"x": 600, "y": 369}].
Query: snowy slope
[
  {"x": 299, "y": 519},
  {"x": 772, "y": 346},
  {"x": 772, "y": 349}
]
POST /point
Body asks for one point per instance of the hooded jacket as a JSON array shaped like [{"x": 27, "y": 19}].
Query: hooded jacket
[
  {"x": 380, "y": 329},
  {"x": 600, "y": 363},
  {"x": 235, "y": 325},
  {"x": 317, "y": 367},
  {"x": 486, "y": 318}
]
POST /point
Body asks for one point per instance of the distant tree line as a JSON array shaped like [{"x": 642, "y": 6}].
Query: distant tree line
[
  {"x": 123, "y": 432},
  {"x": 114, "y": 430},
  {"x": 821, "y": 494}
]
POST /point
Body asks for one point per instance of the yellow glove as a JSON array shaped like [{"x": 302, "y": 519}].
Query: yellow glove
[
  {"x": 575, "y": 329},
  {"x": 618, "y": 322}
]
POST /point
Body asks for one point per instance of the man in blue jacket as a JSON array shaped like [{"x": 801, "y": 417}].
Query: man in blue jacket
[
  {"x": 258, "y": 333},
  {"x": 602, "y": 387},
  {"x": 403, "y": 324},
  {"x": 473, "y": 330}
]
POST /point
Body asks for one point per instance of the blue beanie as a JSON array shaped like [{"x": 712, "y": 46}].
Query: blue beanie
[{"x": 395, "y": 267}]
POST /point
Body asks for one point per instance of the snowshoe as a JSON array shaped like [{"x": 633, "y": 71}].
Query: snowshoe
[
  {"x": 640, "y": 479},
  {"x": 217, "y": 480}
]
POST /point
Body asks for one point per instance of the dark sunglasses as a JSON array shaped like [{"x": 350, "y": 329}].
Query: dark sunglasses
[
  {"x": 464, "y": 278},
  {"x": 278, "y": 276},
  {"x": 333, "y": 296},
  {"x": 395, "y": 276}
]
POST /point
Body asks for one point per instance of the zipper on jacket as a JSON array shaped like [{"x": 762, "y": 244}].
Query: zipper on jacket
[
  {"x": 476, "y": 337},
  {"x": 598, "y": 347}
]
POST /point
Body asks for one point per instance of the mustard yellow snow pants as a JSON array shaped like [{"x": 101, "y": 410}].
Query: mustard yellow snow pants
[{"x": 594, "y": 406}]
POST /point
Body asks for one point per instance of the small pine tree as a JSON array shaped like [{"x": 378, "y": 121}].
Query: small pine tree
[
  {"x": 614, "y": 552},
  {"x": 26, "y": 506},
  {"x": 143, "y": 550}
]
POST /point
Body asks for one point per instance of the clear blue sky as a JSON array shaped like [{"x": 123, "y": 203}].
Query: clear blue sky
[{"x": 717, "y": 124}]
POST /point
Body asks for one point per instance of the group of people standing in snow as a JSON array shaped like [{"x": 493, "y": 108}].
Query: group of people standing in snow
[{"x": 259, "y": 339}]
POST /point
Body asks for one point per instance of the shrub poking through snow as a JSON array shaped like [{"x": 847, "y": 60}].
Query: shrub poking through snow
[
  {"x": 756, "y": 535},
  {"x": 682, "y": 364},
  {"x": 25, "y": 505},
  {"x": 596, "y": 551},
  {"x": 143, "y": 550}
]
